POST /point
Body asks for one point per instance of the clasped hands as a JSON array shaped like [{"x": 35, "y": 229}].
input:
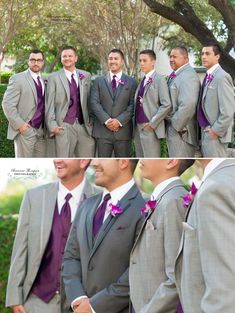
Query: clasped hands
[
  {"x": 113, "y": 124},
  {"x": 82, "y": 306}
]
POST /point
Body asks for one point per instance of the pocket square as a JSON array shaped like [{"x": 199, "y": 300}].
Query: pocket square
[
  {"x": 150, "y": 225},
  {"x": 187, "y": 226}
]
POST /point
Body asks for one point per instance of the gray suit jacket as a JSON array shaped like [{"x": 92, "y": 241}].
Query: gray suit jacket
[
  {"x": 151, "y": 273},
  {"x": 218, "y": 104},
  {"x": 157, "y": 103},
  {"x": 19, "y": 102},
  {"x": 105, "y": 104},
  {"x": 184, "y": 92},
  {"x": 58, "y": 99},
  {"x": 33, "y": 232},
  {"x": 205, "y": 272},
  {"x": 99, "y": 268}
]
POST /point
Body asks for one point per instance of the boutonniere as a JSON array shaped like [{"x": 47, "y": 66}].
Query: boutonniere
[
  {"x": 149, "y": 207},
  {"x": 81, "y": 76},
  {"x": 115, "y": 209},
  {"x": 209, "y": 78},
  {"x": 121, "y": 82},
  {"x": 150, "y": 80},
  {"x": 45, "y": 82},
  {"x": 188, "y": 198}
]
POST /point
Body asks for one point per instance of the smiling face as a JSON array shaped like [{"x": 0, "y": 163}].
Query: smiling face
[
  {"x": 177, "y": 59},
  {"x": 146, "y": 63},
  {"x": 115, "y": 62},
  {"x": 35, "y": 62},
  {"x": 69, "y": 59},
  {"x": 106, "y": 172},
  {"x": 209, "y": 58}
]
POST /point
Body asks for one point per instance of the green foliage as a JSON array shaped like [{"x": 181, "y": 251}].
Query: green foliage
[
  {"x": 6, "y": 146},
  {"x": 5, "y": 77},
  {"x": 10, "y": 204},
  {"x": 7, "y": 231}
]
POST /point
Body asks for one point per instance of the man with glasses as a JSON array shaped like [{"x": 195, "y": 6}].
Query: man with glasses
[{"x": 24, "y": 107}]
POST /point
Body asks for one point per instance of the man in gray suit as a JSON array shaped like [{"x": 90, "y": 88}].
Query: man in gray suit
[
  {"x": 216, "y": 105},
  {"x": 112, "y": 104},
  {"x": 44, "y": 223},
  {"x": 184, "y": 86},
  {"x": 67, "y": 114},
  {"x": 204, "y": 270},
  {"x": 151, "y": 273},
  {"x": 96, "y": 259},
  {"x": 24, "y": 106},
  {"x": 152, "y": 106}
]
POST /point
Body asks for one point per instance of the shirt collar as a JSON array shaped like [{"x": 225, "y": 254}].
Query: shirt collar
[
  {"x": 181, "y": 68},
  {"x": 69, "y": 74},
  {"x": 149, "y": 74},
  {"x": 118, "y": 193},
  {"x": 76, "y": 192},
  {"x": 212, "y": 69},
  {"x": 211, "y": 166},
  {"x": 118, "y": 75},
  {"x": 34, "y": 75},
  {"x": 160, "y": 187}
]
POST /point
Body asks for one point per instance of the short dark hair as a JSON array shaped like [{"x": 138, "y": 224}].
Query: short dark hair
[
  {"x": 117, "y": 51},
  {"x": 69, "y": 48},
  {"x": 133, "y": 164},
  {"x": 215, "y": 47},
  {"x": 149, "y": 52},
  {"x": 184, "y": 165},
  {"x": 183, "y": 50},
  {"x": 37, "y": 51}
]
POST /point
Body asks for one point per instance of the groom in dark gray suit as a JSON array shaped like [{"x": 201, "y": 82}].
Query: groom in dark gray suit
[
  {"x": 24, "y": 107},
  {"x": 216, "y": 105},
  {"x": 96, "y": 259},
  {"x": 46, "y": 213},
  {"x": 112, "y": 104}
]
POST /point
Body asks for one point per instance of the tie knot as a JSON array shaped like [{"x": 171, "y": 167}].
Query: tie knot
[
  {"x": 114, "y": 76},
  {"x": 107, "y": 197},
  {"x": 68, "y": 197},
  {"x": 172, "y": 74}
]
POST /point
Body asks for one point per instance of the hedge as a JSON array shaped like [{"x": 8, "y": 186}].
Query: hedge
[{"x": 6, "y": 146}]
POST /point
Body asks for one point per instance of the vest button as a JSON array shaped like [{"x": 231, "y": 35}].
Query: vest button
[
  {"x": 90, "y": 268},
  {"x": 57, "y": 292}
]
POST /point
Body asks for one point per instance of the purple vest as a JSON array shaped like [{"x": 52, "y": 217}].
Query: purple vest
[
  {"x": 38, "y": 118},
  {"x": 75, "y": 109},
  {"x": 47, "y": 281},
  {"x": 140, "y": 115},
  {"x": 201, "y": 117}
]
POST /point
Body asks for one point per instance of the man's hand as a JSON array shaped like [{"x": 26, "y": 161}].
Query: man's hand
[
  {"x": 149, "y": 128},
  {"x": 82, "y": 306},
  {"x": 113, "y": 124},
  {"x": 57, "y": 130},
  {"x": 18, "y": 309},
  {"x": 212, "y": 134},
  {"x": 24, "y": 127}
]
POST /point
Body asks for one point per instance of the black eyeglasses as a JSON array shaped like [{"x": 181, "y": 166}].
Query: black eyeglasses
[{"x": 36, "y": 60}]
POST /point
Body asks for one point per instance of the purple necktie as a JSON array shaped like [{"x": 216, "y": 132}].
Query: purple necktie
[
  {"x": 171, "y": 76},
  {"x": 39, "y": 84},
  {"x": 113, "y": 83},
  {"x": 66, "y": 212},
  {"x": 99, "y": 215},
  {"x": 179, "y": 309}
]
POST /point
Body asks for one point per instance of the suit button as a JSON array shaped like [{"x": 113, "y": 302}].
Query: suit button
[
  {"x": 133, "y": 262},
  {"x": 90, "y": 268}
]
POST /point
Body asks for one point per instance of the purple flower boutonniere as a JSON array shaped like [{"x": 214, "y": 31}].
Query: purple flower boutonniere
[
  {"x": 149, "y": 207},
  {"x": 150, "y": 80},
  {"x": 188, "y": 198},
  {"x": 115, "y": 209},
  {"x": 45, "y": 82},
  {"x": 121, "y": 82},
  {"x": 81, "y": 76},
  {"x": 209, "y": 78}
]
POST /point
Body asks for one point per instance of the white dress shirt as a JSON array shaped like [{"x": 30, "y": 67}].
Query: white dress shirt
[
  {"x": 160, "y": 187},
  {"x": 73, "y": 201},
  {"x": 211, "y": 70},
  {"x": 147, "y": 76},
  {"x": 35, "y": 78},
  {"x": 117, "y": 78},
  {"x": 69, "y": 75}
]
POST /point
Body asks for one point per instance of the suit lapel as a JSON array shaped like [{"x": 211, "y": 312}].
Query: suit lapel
[
  {"x": 49, "y": 197},
  {"x": 80, "y": 84},
  {"x": 32, "y": 85},
  {"x": 149, "y": 84},
  {"x": 110, "y": 221},
  {"x": 120, "y": 86},
  {"x": 107, "y": 82},
  {"x": 65, "y": 83}
]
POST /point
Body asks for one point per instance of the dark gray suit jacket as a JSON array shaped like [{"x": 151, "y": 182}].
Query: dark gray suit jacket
[
  {"x": 99, "y": 269},
  {"x": 105, "y": 104}
]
